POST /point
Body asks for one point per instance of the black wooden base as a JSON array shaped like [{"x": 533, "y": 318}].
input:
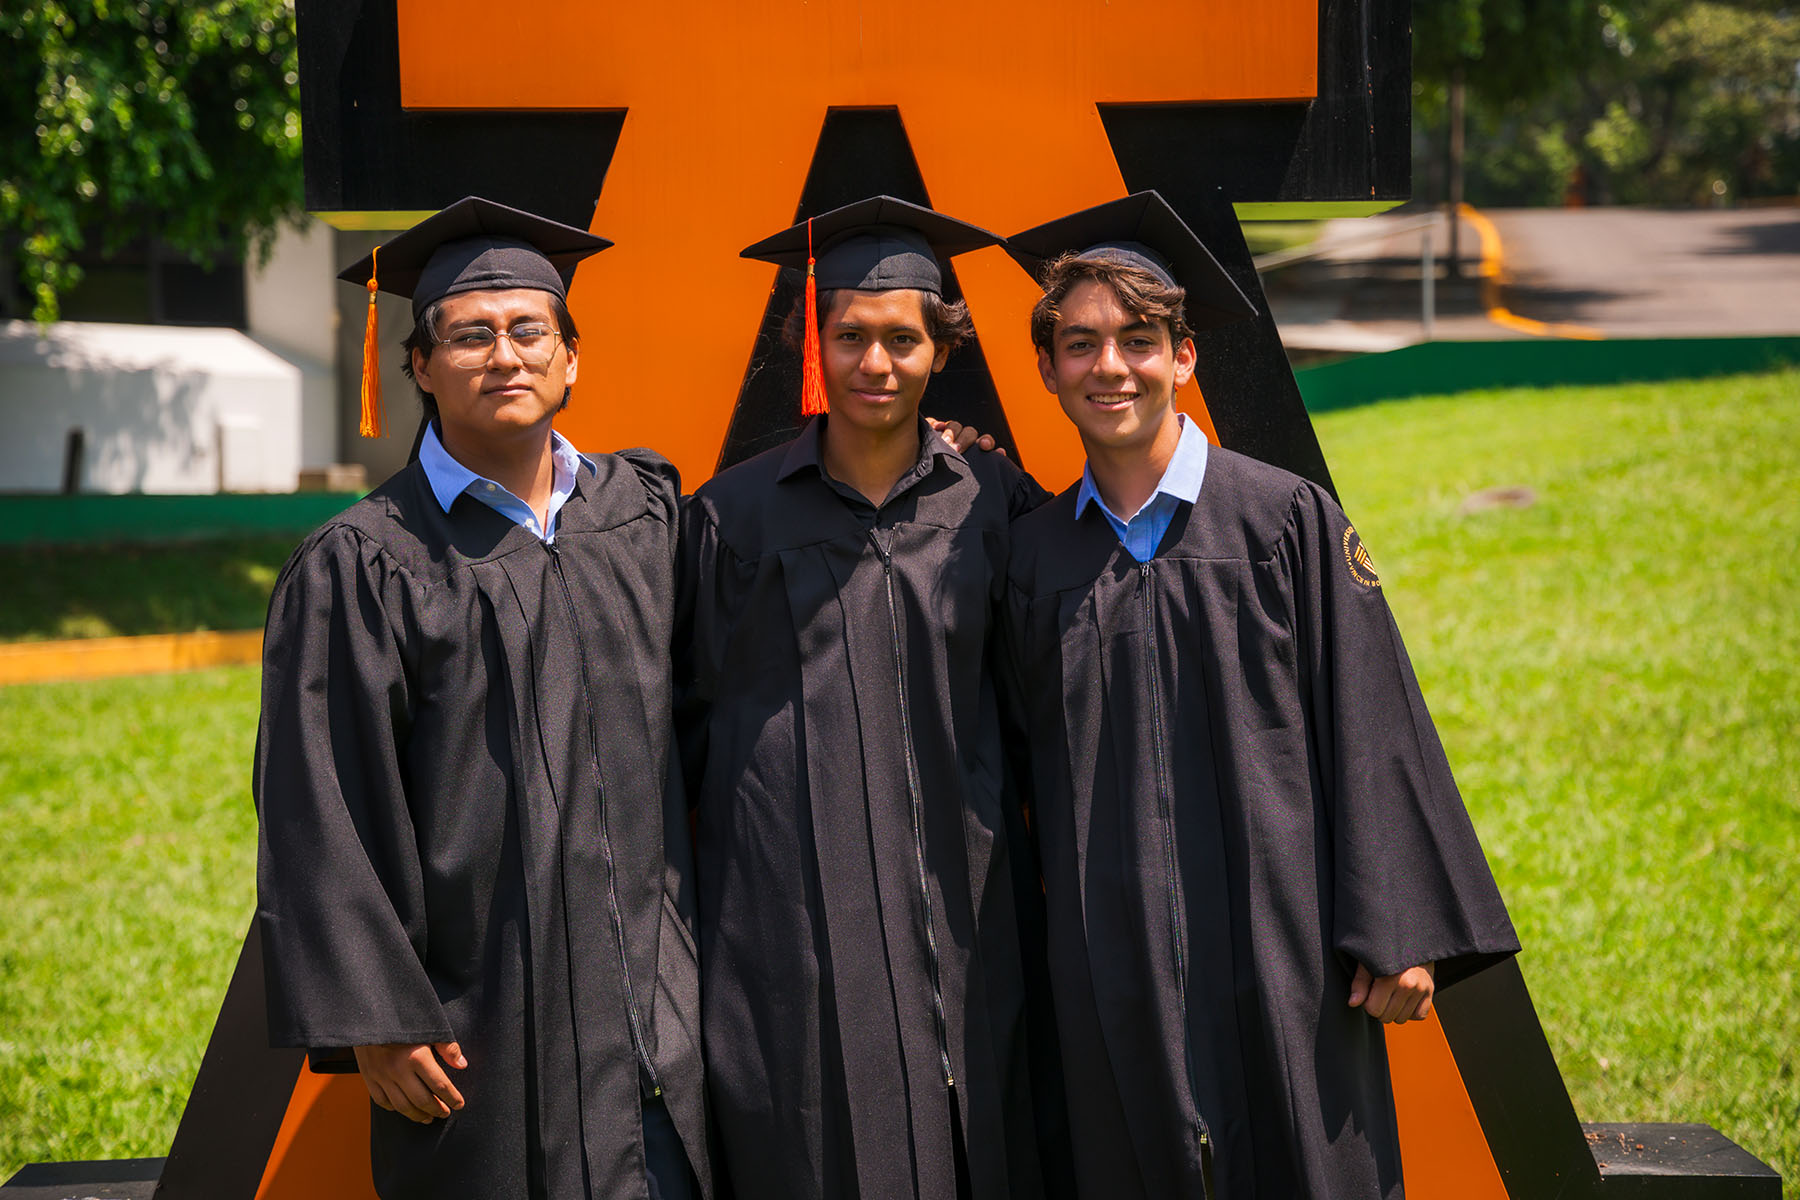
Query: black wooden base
[
  {"x": 106, "y": 1179},
  {"x": 1654, "y": 1162},
  {"x": 1676, "y": 1162}
]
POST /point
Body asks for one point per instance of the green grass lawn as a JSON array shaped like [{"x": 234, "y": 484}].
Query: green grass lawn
[
  {"x": 108, "y": 591},
  {"x": 127, "y": 879},
  {"x": 1613, "y": 671}
]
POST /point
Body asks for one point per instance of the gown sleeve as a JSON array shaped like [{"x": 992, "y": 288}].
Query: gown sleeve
[
  {"x": 1410, "y": 884},
  {"x": 695, "y": 584},
  {"x": 662, "y": 487},
  {"x": 340, "y": 895},
  {"x": 1044, "y": 1050},
  {"x": 1026, "y": 494},
  {"x": 1004, "y": 658}
]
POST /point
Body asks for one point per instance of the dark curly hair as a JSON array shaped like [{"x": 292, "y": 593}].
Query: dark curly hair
[{"x": 1137, "y": 289}]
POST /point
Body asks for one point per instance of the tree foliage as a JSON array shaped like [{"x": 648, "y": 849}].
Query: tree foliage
[
  {"x": 1701, "y": 102},
  {"x": 178, "y": 121},
  {"x": 1621, "y": 101},
  {"x": 1504, "y": 47}
]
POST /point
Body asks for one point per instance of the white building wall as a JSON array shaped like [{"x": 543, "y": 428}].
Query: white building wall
[
  {"x": 162, "y": 409},
  {"x": 292, "y": 306}
]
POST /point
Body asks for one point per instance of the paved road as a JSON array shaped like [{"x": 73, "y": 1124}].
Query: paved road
[
  {"x": 1655, "y": 272},
  {"x": 1621, "y": 272}
]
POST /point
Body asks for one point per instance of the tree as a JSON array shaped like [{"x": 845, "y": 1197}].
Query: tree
[
  {"x": 1517, "y": 48},
  {"x": 1666, "y": 102},
  {"x": 1700, "y": 105},
  {"x": 137, "y": 120},
  {"x": 1510, "y": 48}
]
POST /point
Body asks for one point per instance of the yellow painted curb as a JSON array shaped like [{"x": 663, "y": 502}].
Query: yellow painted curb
[
  {"x": 98, "y": 658},
  {"x": 1492, "y": 272}
]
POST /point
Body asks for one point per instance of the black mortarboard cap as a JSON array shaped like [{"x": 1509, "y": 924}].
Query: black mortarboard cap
[
  {"x": 477, "y": 245},
  {"x": 474, "y": 245},
  {"x": 1143, "y": 230},
  {"x": 879, "y": 244}
]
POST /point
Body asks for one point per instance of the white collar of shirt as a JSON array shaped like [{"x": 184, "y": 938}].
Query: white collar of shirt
[
  {"x": 1180, "y": 480},
  {"x": 450, "y": 479}
]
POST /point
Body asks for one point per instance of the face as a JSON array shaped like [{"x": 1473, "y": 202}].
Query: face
[
  {"x": 504, "y": 395},
  {"x": 1115, "y": 373},
  {"x": 877, "y": 357}
]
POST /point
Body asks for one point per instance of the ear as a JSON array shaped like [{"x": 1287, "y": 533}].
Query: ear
[
  {"x": 569, "y": 373},
  {"x": 939, "y": 358},
  {"x": 421, "y": 365},
  {"x": 1185, "y": 358},
  {"x": 1047, "y": 370}
]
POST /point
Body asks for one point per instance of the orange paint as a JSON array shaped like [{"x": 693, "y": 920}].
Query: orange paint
[
  {"x": 724, "y": 105},
  {"x": 322, "y": 1148},
  {"x": 102, "y": 658},
  {"x": 1443, "y": 1151}
]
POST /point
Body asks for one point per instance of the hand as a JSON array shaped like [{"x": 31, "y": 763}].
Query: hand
[
  {"x": 1395, "y": 998},
  {"x": 409, "y": 1080},
  {"x": 962, "y": 436}
]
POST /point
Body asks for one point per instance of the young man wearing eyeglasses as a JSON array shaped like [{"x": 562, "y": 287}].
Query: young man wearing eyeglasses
[{"x": 473, "y": 866}]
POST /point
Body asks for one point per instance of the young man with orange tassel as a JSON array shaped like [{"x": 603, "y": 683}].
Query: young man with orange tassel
[
  {"x": 864, "y": 989},
  {"x": 473, "y": 871}
]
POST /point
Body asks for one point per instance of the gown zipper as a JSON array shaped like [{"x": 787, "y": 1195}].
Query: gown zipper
[
  {"x": 918, "y": 824},
  {"x": 1165, "y": 811},
  {"x": 649, "y": 1083}
]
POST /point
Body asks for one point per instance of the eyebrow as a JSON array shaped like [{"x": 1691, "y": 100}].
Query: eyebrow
[
  {"x": 505, "y": 323},
  {"x": 1142, "y": 323},
  {"x": 900, "y": 327}
]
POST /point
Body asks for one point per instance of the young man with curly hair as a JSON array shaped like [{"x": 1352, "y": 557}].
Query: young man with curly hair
[{"x": 1253, "y": 852}]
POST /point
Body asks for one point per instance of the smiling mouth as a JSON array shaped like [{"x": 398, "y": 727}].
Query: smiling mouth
[{"x": 1112, "y": 400}]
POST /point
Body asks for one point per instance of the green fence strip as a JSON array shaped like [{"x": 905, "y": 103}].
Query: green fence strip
[
  {"x": 1438, "y": 368},
  {"x": 95, "y": 519}
]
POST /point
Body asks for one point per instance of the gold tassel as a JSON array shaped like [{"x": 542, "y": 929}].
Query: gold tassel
[{"x": 371, "y": 372}]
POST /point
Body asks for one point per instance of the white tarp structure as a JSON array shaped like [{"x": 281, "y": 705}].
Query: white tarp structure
[{"x": 159, "y": 408}]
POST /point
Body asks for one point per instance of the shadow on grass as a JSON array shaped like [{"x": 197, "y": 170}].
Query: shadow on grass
[{"x": 124, "y": 590}]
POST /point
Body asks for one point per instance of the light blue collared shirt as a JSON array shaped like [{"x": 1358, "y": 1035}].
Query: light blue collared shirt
[
  {"x": 450, "y": 479},
  {"x": 1143, "y": 532}
]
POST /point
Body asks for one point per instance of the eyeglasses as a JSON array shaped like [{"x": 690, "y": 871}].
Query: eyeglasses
[{"x": 473, "y": 345}]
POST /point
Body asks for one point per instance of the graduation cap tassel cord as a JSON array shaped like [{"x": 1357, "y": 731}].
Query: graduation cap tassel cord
[
  {"x": 371, "y": 373},
  {"x": 812, "y": 369}
]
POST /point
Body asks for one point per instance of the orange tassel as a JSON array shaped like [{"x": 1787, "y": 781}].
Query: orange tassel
[
  {"x": 371, "y": 372},
  {"x": 812, "y": 367}
]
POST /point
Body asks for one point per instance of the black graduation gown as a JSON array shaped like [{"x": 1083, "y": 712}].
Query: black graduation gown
[
  {"x": 857, "y": 915},
  {"x": 472, "y": 826},
  {"x": 1238, "y": 796}
]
